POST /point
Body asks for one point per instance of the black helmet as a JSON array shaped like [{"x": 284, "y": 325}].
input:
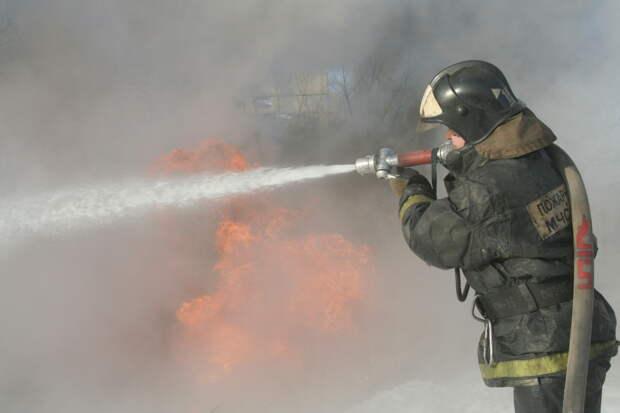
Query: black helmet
[{"x": 472, "y": 98}]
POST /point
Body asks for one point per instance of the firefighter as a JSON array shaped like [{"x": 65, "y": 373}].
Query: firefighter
[{"x": 506, "y": 224}]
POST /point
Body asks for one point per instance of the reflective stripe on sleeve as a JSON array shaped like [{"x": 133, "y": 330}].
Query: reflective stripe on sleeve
[
  {"x": 541, "y": 366},
  {"x": 412, "y": 200}
]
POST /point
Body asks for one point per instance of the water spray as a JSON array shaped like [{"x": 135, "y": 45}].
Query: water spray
[
  {"x": 92, "y": 205},
  {"x": 98, "y": 204}
]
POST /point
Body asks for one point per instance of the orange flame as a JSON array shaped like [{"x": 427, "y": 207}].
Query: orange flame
[
  {"x": 211, "y": 155},
  {"x": 275, "y": 281}
]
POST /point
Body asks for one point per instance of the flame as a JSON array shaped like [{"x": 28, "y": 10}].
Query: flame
[
  {"x": 211, "y": 155},
  {"x": 276, "y": 281},
  {"x": 325, "y": 295}
]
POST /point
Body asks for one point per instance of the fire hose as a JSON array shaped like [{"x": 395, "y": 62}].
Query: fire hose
[
  {"x": 583, "y": 283},
  {"x": 386, "y": 160}
]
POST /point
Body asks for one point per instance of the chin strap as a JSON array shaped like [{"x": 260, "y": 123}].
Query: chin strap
[
  {"x": 434, "y": 159},
  {"x": 442, "y": 152}
]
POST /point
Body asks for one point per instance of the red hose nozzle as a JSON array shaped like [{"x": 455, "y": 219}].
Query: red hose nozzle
[{"x": 415, "y": 158}]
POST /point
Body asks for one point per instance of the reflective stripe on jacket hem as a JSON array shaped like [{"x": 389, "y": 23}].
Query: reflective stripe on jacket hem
[
  {"x": 540, "y": 366},
  {"x": 412, "y": 200}
]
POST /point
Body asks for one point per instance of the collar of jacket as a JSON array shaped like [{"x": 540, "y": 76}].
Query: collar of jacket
[{"x": 522, "y": 134}]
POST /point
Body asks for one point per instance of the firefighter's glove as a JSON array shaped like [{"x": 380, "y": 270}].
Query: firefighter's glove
[
  {"x": 399, "y": 183},
  {"x": 416, "y": 185}
]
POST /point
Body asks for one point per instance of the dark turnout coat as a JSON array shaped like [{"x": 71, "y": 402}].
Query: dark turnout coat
[{"x": 506, "y": 224}]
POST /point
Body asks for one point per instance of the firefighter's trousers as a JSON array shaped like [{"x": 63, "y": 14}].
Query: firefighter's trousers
[{"x": 547, "y": 395}]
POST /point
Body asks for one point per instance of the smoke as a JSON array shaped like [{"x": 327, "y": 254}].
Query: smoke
[{"x": 95, "y": 91}]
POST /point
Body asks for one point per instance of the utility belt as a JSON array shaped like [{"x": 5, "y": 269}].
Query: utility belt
[
  {"x": 524, "y": 298},
  {"x": 516, "y": 300}
]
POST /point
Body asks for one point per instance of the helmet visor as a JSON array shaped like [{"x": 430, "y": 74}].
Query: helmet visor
[{"x": 429, "y": 108}]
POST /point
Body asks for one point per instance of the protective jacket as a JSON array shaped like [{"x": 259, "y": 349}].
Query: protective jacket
[{"x": 506, "y": 223}]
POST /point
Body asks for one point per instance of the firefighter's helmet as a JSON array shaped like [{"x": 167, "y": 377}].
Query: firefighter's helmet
[{"x": 472, "y": 98}]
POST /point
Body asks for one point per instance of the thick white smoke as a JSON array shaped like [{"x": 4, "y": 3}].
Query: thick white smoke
[{"x": 93, "y": 91}]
